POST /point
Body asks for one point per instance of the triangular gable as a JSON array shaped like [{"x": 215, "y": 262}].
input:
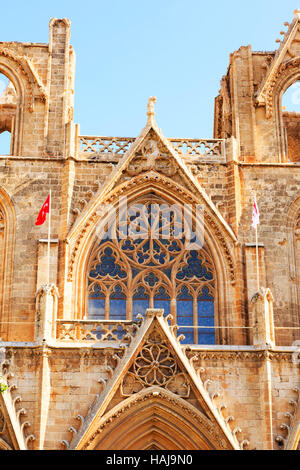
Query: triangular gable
[
  {"x": 167, "y": 371},
  {"x": 289, "y": 50},
  {"x": 115, "y": 178}
]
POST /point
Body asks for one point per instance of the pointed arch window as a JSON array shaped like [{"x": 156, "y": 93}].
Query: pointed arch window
[
  {"x": 8, "y": 106},
  {"x": 146, "y": 265}
]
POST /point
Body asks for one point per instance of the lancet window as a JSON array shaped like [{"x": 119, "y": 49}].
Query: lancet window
[
  {"x": 8, "y": 106},
  {"x": 146, "y": 264}
]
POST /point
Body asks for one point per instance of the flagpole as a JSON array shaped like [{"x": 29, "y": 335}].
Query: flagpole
[
  {"x": 256, "y": 244},
  {"x": 257, "y": 265},
  {"x": 49, "y": 234}
]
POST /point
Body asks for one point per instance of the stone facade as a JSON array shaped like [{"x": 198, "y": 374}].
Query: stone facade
[{"x": 77, "y": 383}]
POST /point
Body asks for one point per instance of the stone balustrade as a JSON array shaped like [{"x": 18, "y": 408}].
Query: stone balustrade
[
  {"x": 96, "y": 330},
  {"x": 111, "y": 149}
]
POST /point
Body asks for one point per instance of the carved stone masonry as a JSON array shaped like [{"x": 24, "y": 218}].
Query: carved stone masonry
[{"x": 155, "y": 365}]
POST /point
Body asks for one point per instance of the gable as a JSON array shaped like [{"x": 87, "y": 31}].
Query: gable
[
  {"x": 155, "y": 367},
  {"x": 151, "y": 160}
]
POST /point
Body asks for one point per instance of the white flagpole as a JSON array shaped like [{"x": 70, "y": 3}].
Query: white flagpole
[
  {"x": 49, "y": 234},
  {"x": 256, "y": 243},
  {"x": 257, "y": 265}
]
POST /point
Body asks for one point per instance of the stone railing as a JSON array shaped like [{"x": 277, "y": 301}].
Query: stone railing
[
  {"x": 96, "y": 330},
  {"x": 200, "y": 149},
  {"x": 103, "y": 148},
  {"x": 111, "y": 149}
]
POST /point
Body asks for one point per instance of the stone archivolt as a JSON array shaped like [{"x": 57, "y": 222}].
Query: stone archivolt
[
  {"x": 203, "y": 434},
  {"x": 286, "y": 71},
  {"x": 35, "y": 88},
  {"x": 285, "y": 63},
  {"x": 152, "y": 156}
]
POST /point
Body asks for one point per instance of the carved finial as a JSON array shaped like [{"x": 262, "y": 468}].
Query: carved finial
[
  {"x": 297, "y": 14},
  {"x": 244, "y": 444},
  {"x": 150, "y": 106}
]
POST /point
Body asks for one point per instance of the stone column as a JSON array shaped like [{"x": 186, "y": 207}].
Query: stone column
[
  {"x": 46, "y": 312},
  {"x": 262, "y": 315},
  {"x": 264, "y": 338}
]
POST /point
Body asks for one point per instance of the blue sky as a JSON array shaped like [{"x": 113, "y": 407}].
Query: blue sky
[{"x": 129, "y": 50}]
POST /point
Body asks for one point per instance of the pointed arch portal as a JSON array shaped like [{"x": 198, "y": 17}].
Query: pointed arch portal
[
  {"x": 153, "y": 422},
  {"x": 155, "y": 419}
]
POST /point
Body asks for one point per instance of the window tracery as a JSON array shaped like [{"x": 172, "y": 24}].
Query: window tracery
[
  {"x": 290, "y": 112},
  {"x": 147, "y": 265}
]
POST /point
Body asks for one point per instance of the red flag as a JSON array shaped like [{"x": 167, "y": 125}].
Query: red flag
[
  {"x": 255, "y": 214},
  {"x": 44, "y": 210}
]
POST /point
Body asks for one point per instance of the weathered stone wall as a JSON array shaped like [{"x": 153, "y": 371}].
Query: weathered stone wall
[
  {"x": 292, "y": 126},
  {"x": 276, "y": 188},
  {"x": 240, "y": 377},
  {"x": 58, "y": 383}
]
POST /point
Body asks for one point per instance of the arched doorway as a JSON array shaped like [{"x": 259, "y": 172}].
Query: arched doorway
[{"x": 155, "y": 418}]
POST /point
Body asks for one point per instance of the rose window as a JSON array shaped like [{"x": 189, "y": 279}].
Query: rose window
[{"x": 155, "y": 366}]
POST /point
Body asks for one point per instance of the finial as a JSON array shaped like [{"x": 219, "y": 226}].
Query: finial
[
  {"x": 297, "y": 14},
  {"x": 150, "y": 106}
]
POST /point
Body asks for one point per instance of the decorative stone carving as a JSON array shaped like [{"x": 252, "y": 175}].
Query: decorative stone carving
[
  {"x": 155, "y": 365},
  {"x": 35, "y": 88},
  {"x": 286, "y": 428},
  {"x": 152, "y": 156},
  {"x": 130, "y": 385},
  {"x": 162, "y": 182},
  {"x": 150, "y": 106},
  {"x": 112, "y": 149},
  {"x": 160, "y": 394},
  {"x": 179, "y": 385},
  {"x": 81, "y": 330},
  {"x": 284, "y": 71}
]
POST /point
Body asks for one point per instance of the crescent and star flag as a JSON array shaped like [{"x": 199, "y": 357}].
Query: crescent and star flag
[
  {"x": 255, "y": 214},
  {"x": 44, "y": 210}
]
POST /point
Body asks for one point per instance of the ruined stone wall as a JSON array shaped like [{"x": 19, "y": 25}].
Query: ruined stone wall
[{"x": 292, "y": 126}]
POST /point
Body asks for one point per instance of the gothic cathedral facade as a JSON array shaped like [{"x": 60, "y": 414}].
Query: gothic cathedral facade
[{"x": 126, "y": 328}]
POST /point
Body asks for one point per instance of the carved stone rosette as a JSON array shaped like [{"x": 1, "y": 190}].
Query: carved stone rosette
[{"x": 155, "y": 365}]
